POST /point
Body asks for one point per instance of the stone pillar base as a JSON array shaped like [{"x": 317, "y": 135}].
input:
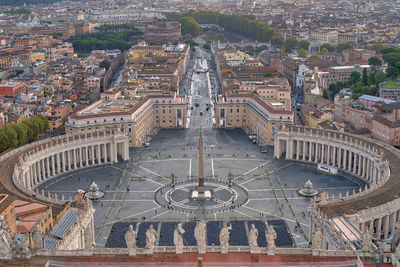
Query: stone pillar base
[
  {"x": 201, "y": 250},
  {"x": 254, "y": 250},
  {"x": 148, "y": 251},
  {"x": 132, "y": 251},
  {"x": 270, "y": 252},
  {"x": 224, "y": 249},
  {"x": 179, "y": 250}
]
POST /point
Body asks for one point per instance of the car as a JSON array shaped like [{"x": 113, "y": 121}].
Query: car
[
  {"x": 201, "y": 113},
  {"x": 146, "y": 144},
  {"x": 263, "y": 151}
]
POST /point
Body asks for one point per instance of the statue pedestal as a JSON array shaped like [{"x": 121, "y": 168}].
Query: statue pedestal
[
  {"x": 271, "y": 252},
  {"x": 201, "y": 249},
  {"x": 224, "y": 249},
  {"x": 148, "y": 251},
  {"x": 132, "y": 251},
  {"x": 254, "y": 250},
  {"x": 179, "y": 249}
]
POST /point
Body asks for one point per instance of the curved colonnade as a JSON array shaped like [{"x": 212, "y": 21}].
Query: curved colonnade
[
  {"x": 43, "y": 160},
  {"x": 375, "y": 209}
]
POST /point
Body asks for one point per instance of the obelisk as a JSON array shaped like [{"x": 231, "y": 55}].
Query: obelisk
[{"x": 201, "y": 168}]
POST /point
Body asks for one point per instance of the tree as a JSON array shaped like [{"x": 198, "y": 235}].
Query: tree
[
  {"x": 189, "y": 25},
  {"x": 290, "y": 44},
  {"x": 191, "y": 43},
  {"x": 324, "y": 50},
  {"x": 392, "y": 72},
  {"x": 302, "y": 53},
  {"x": 377, "y": 47},
  {"x": 372, "y": 78},
  {"x": 327, "y": 47},
  {"x": 105, "y": 64},
  {"x": 391, "y": 58},
  {"x": 355, "y": 77},
  {"x": 341, "y": 47},
  {"x": 380, "y": 76},
  {"x": 365, "y": 77},
  {"x": 374, "y": 61},
  {"x": 303, "y": 44},
  {"x": 276, "y": 41}
]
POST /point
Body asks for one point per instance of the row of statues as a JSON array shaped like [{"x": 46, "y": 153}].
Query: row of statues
[{"x": 200, "y": 236}]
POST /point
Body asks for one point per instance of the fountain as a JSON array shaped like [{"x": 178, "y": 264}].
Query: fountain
[
  {"x": 94, "y": 192},
  {"x": 308, "y": 190}
]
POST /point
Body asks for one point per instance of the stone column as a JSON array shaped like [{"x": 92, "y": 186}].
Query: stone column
[
  {"x": 287, "y": 149},
  {"x": 74, "y": 157},
  {"x": 48, "y": 166},
  {"x": 359, "y": 165},
  {"x": 350, "y": 160},
  {"x": 64, "y": 164},
  {"x": 339, "y": 158},
  {"x": 310, "y": 151},
  {"x": 323, "y": 153},
  {"x": 105, "y": 153},
  {"x": 364, "y": 167},
  {"x": 92, "y": 155},
  {"x": 87, "y": 155},
  {"x": 297, "y": 149},
  {"x": 368, "y": 169},
  {"x": 379, "y": 227},
  {"x": 53, "y": 165},
  {"x": 316, "y": 152},
  {"x": 334, "y": 155},
  {"x": 392, "y": 219},
  {"x": 99, "y": 154},
  {"x": 386, "y": 226},
  {"x": 276, "y": 148},
  {"x": 37, "y": 169},
  {"x": 304, "y": 151}
]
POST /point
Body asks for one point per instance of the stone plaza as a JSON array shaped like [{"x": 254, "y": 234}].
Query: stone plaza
[{"x": 262, "y": 188}]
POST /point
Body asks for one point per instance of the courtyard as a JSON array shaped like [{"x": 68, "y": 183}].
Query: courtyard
[{"x": 268, "y": 187}]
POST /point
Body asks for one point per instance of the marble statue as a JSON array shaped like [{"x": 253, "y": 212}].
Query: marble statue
[
  {"x": 130, "y": 239},
  {"x": 6, "y": 241},
  {"x": 178, "y": 238},
  {"x": 37, "y": 238},
  {"x": 79, "y": 202},
  {"x": 253, "y": 236},
  {"x": 224, "y": 238},
  {"x": 20, "y": 247},
  {"x": 270, "y": 236},
  {"x": 200, "y": 235},
  {"x": 367, "y": 240},
  {"x": 317, "y": 238},
  {"x": 151, "y": 236}
]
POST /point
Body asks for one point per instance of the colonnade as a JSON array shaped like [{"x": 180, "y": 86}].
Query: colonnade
[
  {"x": 63, "y": 154},
  {"x": 332, "y": 153}
]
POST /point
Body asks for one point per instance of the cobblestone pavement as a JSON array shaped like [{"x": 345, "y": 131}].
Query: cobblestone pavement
[{"x": 271, "y": 184}]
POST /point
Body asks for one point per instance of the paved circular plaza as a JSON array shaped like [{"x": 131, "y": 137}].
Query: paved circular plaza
[{"x": 261, "y": 187}]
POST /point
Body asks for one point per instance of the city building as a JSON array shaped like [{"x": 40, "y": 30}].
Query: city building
[{"x": 11, "y": 88}]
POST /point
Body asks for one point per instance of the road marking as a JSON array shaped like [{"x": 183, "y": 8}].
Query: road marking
[
  {"x": 155, "y": 161},
  {"x": 212, "y": 168},
  {"x": 130, "y": 216},
  {"x": 190, "y": 168},
  {"x": 246, "y": 215},
  {"x": 283, "y": 218},
  {"x": 156, "y": 174},
  {"x": 255, "y": 168}
]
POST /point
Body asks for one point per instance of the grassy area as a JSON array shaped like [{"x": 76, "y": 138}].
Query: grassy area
[{"x": 389, "y": 83}]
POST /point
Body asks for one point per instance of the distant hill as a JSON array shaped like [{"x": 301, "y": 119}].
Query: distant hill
[{"x": 28, "y": 2}]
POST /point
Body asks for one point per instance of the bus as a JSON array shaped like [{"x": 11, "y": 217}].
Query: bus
[{"x": 327, "y": 169}]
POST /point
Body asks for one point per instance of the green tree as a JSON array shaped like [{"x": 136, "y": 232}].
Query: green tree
[
  {"x": 327, "y": 47},
  {"x": 22, "y": 132},
  {"x": 365, "y": 77},
  {"x": 105, "y": 64},
  {"x": 269, "y": 74},
  {"x": 191, "y": 43},
  {"x": 189, "y": 25},
  {"x": 12, "y": 135},
  {"x": 277, "y": 41},
  {"x": 324, "y": 50},
  {"x": 380, "y": 77},
  {"x": 355, "y": 77},
  {"x": 392, "y": 72},
  {"x": 303, "y": 44},
  {"x": 341, "y": 47},
  {"x": 374, "y": 61},
  {"x": 391, "y": 58},
  {"x": 290, "y": 44},
  {"x": 377, "y": 47},
  {"x": 302, "y": 53},
  {"x": 372, "y": 78}
]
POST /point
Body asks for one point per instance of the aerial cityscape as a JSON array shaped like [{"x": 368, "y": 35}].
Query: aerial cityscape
[{"x": 199, "y": 133}]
